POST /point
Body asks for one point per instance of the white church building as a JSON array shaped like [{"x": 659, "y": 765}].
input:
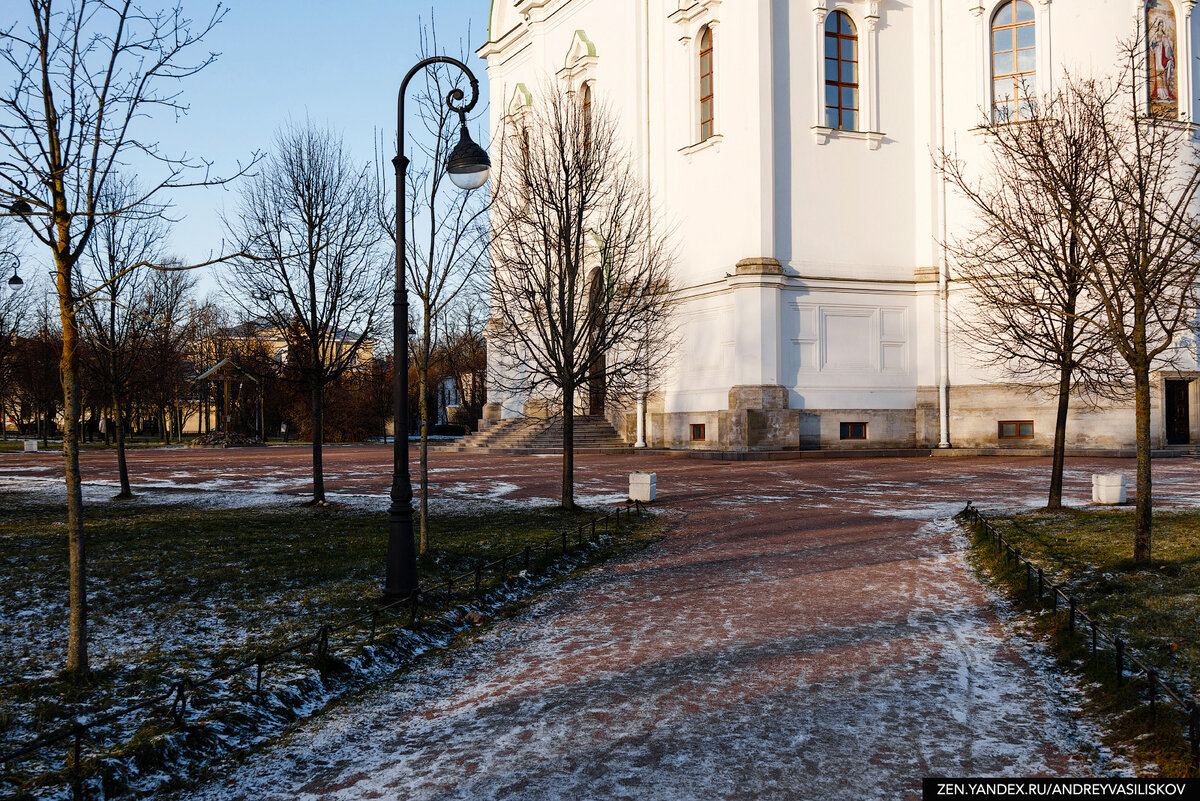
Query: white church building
[{"x": 791, "y": 144}]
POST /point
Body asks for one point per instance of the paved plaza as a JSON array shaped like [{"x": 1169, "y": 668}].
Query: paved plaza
[{"x": 807, "y": 629}]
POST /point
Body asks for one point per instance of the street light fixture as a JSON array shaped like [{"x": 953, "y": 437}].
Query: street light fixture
[
  {"x": 468, "y": 168},
  {"x": 15, "y": 283}
]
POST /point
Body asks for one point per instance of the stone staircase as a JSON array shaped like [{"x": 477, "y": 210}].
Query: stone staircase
[{"x": 593, "y": 434}]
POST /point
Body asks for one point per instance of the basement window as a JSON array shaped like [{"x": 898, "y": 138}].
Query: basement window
[
  {"x": 854, "y": 430},
  {"x": 1015, "y": 429},
  {"x": 697, "y": 432}
]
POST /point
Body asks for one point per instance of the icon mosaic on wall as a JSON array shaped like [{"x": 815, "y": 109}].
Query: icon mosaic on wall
[{"x": 1164, "y": 83}]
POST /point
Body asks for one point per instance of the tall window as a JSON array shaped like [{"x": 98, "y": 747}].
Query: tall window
[
  {"x": 586, "y": 109},
  {"x": 1014, "y": 63},
  {"x": 706, "y": 84},
  {"x": 841, "y": 72}
]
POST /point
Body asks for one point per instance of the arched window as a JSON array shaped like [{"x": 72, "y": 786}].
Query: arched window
[
  {"x": 706, "y": 84},
  {"x": 1014, "y": 62},
  {"x": 586, "y": 114},
  {"x": 841, "y": 72}
]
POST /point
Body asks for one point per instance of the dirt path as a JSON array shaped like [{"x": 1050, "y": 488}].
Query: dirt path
[{"x": 807, "y": 630}]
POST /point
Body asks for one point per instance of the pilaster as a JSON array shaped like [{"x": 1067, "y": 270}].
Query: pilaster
[{"x": 757, "y": 286}]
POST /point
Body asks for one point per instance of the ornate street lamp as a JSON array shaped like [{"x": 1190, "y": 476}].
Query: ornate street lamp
[
  {"x": 468, "y": 168},
  {"x": 15, "y": 283}
]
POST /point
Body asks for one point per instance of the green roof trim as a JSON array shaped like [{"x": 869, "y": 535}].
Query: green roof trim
[
  {"x": 525, "y": 94},
  {"x": 580, "y": 36}
]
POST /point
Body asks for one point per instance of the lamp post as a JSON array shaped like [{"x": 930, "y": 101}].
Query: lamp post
[
  {"x": 15, "y": 283},
  {"x": 468, "y": 167}
]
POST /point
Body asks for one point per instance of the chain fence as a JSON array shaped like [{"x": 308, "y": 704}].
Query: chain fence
[
  {"x": 174, "y": 699},
  {"x": 1128, "y": 665}
]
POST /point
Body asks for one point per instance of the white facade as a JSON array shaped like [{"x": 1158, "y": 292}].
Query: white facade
[{"x": 813, "y": 283}]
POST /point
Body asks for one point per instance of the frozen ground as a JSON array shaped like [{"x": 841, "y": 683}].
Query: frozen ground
[{"x": 807, "y": 630}]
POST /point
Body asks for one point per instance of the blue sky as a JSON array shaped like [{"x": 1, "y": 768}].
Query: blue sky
[{"x": 337, "y": 63}]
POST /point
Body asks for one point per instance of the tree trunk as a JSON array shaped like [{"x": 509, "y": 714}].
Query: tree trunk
[
  {"x": 423, "y": 406},
  {"x": 318, "y": 435},
  {"x": 77, "y": 638},
  {"x": 122, "y": 465},
  {"x": 1060, "y": 439},
  {"x": 568, "y": 447},
  {"x": 1144, "y": 500}
]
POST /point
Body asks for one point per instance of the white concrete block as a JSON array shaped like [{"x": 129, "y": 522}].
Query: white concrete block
[
  {"x": 643, "y": 486},
  {"x": 1108, "y": 488},
  {"x": 31, "y": 446}
]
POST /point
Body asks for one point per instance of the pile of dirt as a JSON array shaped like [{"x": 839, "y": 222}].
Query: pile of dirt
[{"x": 221, "y": 439}]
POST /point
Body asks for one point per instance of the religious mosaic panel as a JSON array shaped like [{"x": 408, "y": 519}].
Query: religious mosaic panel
[{"x": 1161, "y": 73}]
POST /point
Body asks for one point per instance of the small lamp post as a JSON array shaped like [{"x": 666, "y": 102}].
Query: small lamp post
[
  {"x": 15, "y": 283},
  {"x": 468, "y": 167}
]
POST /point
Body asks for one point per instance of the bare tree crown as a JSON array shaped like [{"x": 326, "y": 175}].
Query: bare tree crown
[{"x": 582, "y": 280}]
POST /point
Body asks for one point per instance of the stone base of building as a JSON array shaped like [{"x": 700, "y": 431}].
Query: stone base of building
[{"x": 986, "y": 417}]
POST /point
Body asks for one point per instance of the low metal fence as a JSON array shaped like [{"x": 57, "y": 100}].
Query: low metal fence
[
  {"x": 1125, "y": 661},
  {"x": 175, "y": 698}
]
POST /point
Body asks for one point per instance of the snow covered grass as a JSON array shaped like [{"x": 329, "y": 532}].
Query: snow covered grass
[
  {"x": 1155, "y": 609},
  {"x": 183, "y": 590}
]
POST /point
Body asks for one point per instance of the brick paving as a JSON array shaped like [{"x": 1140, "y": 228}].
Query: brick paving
[{"x": 806, "y": 630}]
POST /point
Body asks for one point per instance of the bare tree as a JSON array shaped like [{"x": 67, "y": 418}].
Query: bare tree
[
  {"x": 447, "y": 241},
  {"x": 1137, "y": 229},
  {"x": 1030, "y": 307},
  {"x": 581, "y": 284},
  {"x": 171, "y": 309},
  {"x": 84, "y": 76},
  {"x": 313, "y": 268},
  {"x": 1142, "y": 241},
  {"x": 36, "y": 384},
  {"x": 117, "y": 319},
  {"x": 464, "y": 350}
]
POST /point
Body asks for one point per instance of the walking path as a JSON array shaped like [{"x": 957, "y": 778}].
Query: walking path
[{"x": 807, "y": 630}]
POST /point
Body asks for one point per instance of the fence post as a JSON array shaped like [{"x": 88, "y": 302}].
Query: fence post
[
  {"x": 1041, "y": 581},
  {"x": 414, "y": 604},
  {"x": 177, "y": 708},
  {"x": 1093, "y": 635},
  {"x": 259, "y": 661},
  {"x": 526, "y": 558},
  {"x": 374, "y": 621},
  {"x": 1152, "y": 675},
  {"x": 1120, "y": 647},
  {"x": 564, "y": 543},
  {"x": 1053, "y": 598},
  {"x": 593, "y": 528},
  {"x": 504, "y": 566},
  {"x": 478, "y": 577},
  {"x": 1028, "y": 575},
  {"x": 1072, "y": 602}
]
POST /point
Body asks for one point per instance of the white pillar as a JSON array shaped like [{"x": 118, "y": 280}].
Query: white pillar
[
  {"x": 943, "y": 261},
  {"x": 641, "y": 421},
  {"x": 820, "y": 12},
  {"x": 1184, "y": 39}
]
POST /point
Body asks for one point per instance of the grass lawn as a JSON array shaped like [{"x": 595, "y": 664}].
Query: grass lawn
[
  {"x": 180, "y": 591},
  {"x": 1155, "y": 609}
]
